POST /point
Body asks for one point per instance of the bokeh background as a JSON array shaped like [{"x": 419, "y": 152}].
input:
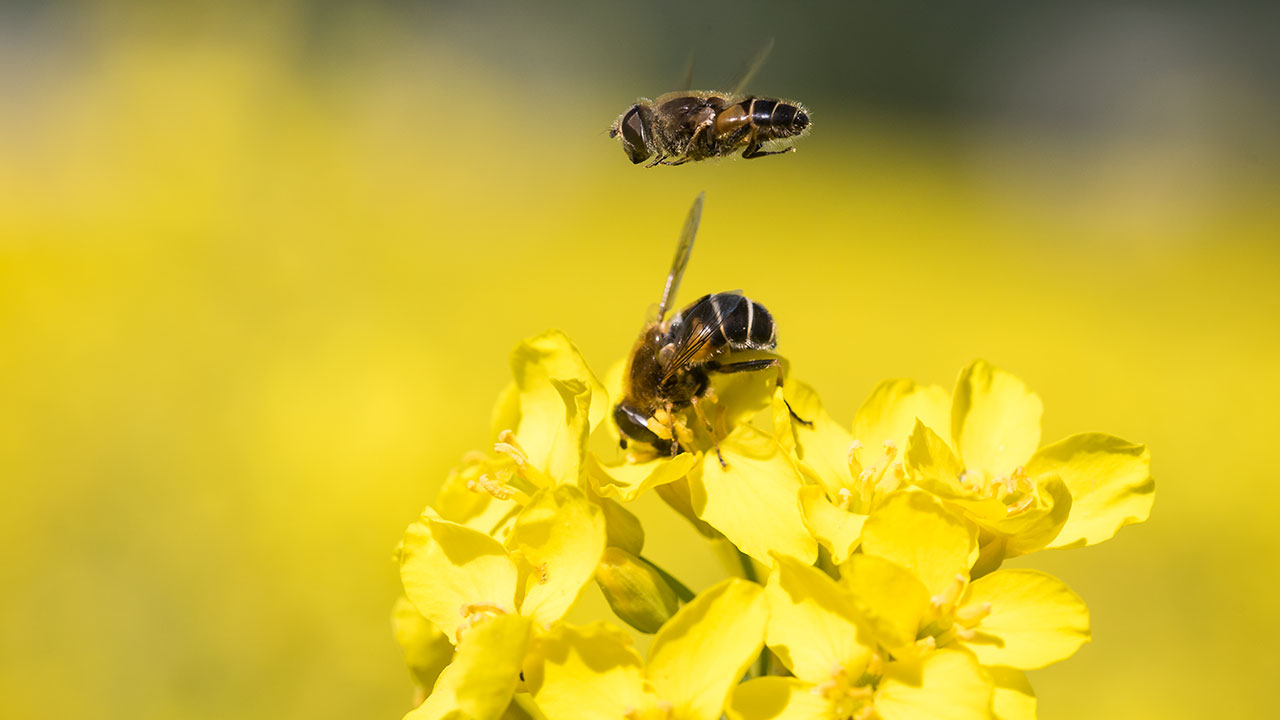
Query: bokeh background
[{"x": 261, "y": 268}]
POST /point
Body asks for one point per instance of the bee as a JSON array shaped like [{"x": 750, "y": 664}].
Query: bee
[
  {"x": 683, "y": 126},
  {"x": 670, "y": 366}
]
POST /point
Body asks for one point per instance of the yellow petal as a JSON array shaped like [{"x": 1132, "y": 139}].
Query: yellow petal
[
  {"x": 777, "y": 698},
  {"x": 813, "y": 623},
  {"x": 1014, "y": 698},
  {"x": 506, "y": 412},
  {"x": 1034, "y": 527},
  {"x": 1110, "y": 483},
  {"x": 447, "y": 568},
  {"x": 933, "y": 467},
  {"x": 823, "y": 447},
  {"x": 914, "y": 530},
  {"x": 995, "y": 420},
  {"x": 590, "y": 672},
  {"x": 890, "y": 414},
  {"x": 626, "y": 482},
  {"x": 753, "y": 500},
  {"x": 426, "y": 650},
  {"x": 700, "y": 654},
  {"x": 890, "y": 600},
  {"x": 944, "y": 685},
  {"x": 558, "y": 540},
  {"x": 480, "y": 681},
  {"x": 553, "y": 427},
  {"x": 1035, "y": 619},
  {"x": 834, "y": 527}
]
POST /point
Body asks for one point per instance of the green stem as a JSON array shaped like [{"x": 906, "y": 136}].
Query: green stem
[{"x": 681, "y": 590}]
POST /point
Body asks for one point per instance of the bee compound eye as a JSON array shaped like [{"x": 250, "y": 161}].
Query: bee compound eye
[
  {"x": 633, "y": 136},
  {"x": 633, "y": 425}
]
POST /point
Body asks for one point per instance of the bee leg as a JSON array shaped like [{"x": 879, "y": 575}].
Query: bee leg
[
  {"x": 763, "y": 153},
  {"x": 697, "y": 410},
  {"x": 753, "y": 148},
  {"x": 656, "y": 159},
  {"x": 761, "y": 364}
]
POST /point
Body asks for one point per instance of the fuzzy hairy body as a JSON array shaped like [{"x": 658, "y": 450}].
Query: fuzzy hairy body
[
  {"x": 670, "y": 364},
  {"x": 686, "y": 126}
]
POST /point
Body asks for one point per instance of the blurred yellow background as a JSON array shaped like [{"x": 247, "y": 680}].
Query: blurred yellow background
[{"x": 260, "y": 273}]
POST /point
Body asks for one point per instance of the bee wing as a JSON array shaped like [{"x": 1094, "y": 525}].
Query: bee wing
[
  {"x": 699, "y": 323},
  {"x": 686, "y": 76},
  {"x": 749, "y": 72},
  {"x": 683, "y": 250}
]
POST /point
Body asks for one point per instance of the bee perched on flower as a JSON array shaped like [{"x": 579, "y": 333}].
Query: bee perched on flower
[{"x": 870, "y": 554}]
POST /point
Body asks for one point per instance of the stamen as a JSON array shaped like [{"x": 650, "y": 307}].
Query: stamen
[
  {"x": 970, "y": 615},
  {"x": 497, "y": 489},
  {"x": 945, "y": 601},
  {"x": 509, "y": 446},
  {"x": 846, "y": 498},
  {"x": 1022, "y": 505},
  {"x": 890, "y": 449},
  {"x": 473, "y": 613}
]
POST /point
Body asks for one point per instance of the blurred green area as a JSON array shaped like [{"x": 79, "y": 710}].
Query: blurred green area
[{"x": 257, "y": 297}]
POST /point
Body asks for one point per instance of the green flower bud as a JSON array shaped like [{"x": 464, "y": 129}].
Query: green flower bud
[
  {"x": 623, "y": 529},
  {"x": 635, "y": 590}
]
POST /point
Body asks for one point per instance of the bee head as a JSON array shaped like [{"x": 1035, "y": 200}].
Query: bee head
[
  {"x": 633, "y": 126},
  {"x": 634, "y": 426}
]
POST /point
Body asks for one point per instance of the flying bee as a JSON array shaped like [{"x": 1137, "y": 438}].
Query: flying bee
[
  {"x": 695, "y": 125},
  {"x": 671, "y": 364}
]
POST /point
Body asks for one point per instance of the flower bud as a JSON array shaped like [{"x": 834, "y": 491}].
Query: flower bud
[
  {"x": 635, "y": 590},
  {"x": 623, "y": 529}
]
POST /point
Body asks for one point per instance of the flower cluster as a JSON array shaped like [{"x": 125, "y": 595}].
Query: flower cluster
[{"x": 883, "y": 545}]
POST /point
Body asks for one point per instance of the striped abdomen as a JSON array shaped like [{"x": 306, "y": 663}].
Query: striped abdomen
[
  {"x": 771, "y": 118},
  {"x": 731, "y": 322}
]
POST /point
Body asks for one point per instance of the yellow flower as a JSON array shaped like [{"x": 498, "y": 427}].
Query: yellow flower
[
  {"x": 455, "y": 575},
  {"x": 592, "y": 672},
  {"x": 851, "y": 473},
  {"x": 466, "y": 583},
  {"x": 818, "y": 632},
  {"x": 541, "y": 423},
  {"x": 1078, "y": 491},
  {"x": 912, "y": 582},
  {"x": 484, "y": 674},
  {"x": 427, "y": 651}
]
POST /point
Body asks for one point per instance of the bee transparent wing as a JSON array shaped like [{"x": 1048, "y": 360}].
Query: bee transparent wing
[
  {"x": 699, "y": 325},
  {"x": 748, "y": 73},
  {"x": 683, "y": 250},
  {"x": 686, "y": 75}
]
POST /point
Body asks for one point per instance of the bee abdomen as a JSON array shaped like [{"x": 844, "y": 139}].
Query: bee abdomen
[
  {"x": 737, "y": 323},
  {"x": 778, "y": 118}
]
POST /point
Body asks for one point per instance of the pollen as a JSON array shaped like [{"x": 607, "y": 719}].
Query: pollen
[
  {"x": 497, "y": 489},
  {"x": 508, "y": 445},
  {"x": 473, "y": 613},
  {"x": 844, "y": 692}
]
